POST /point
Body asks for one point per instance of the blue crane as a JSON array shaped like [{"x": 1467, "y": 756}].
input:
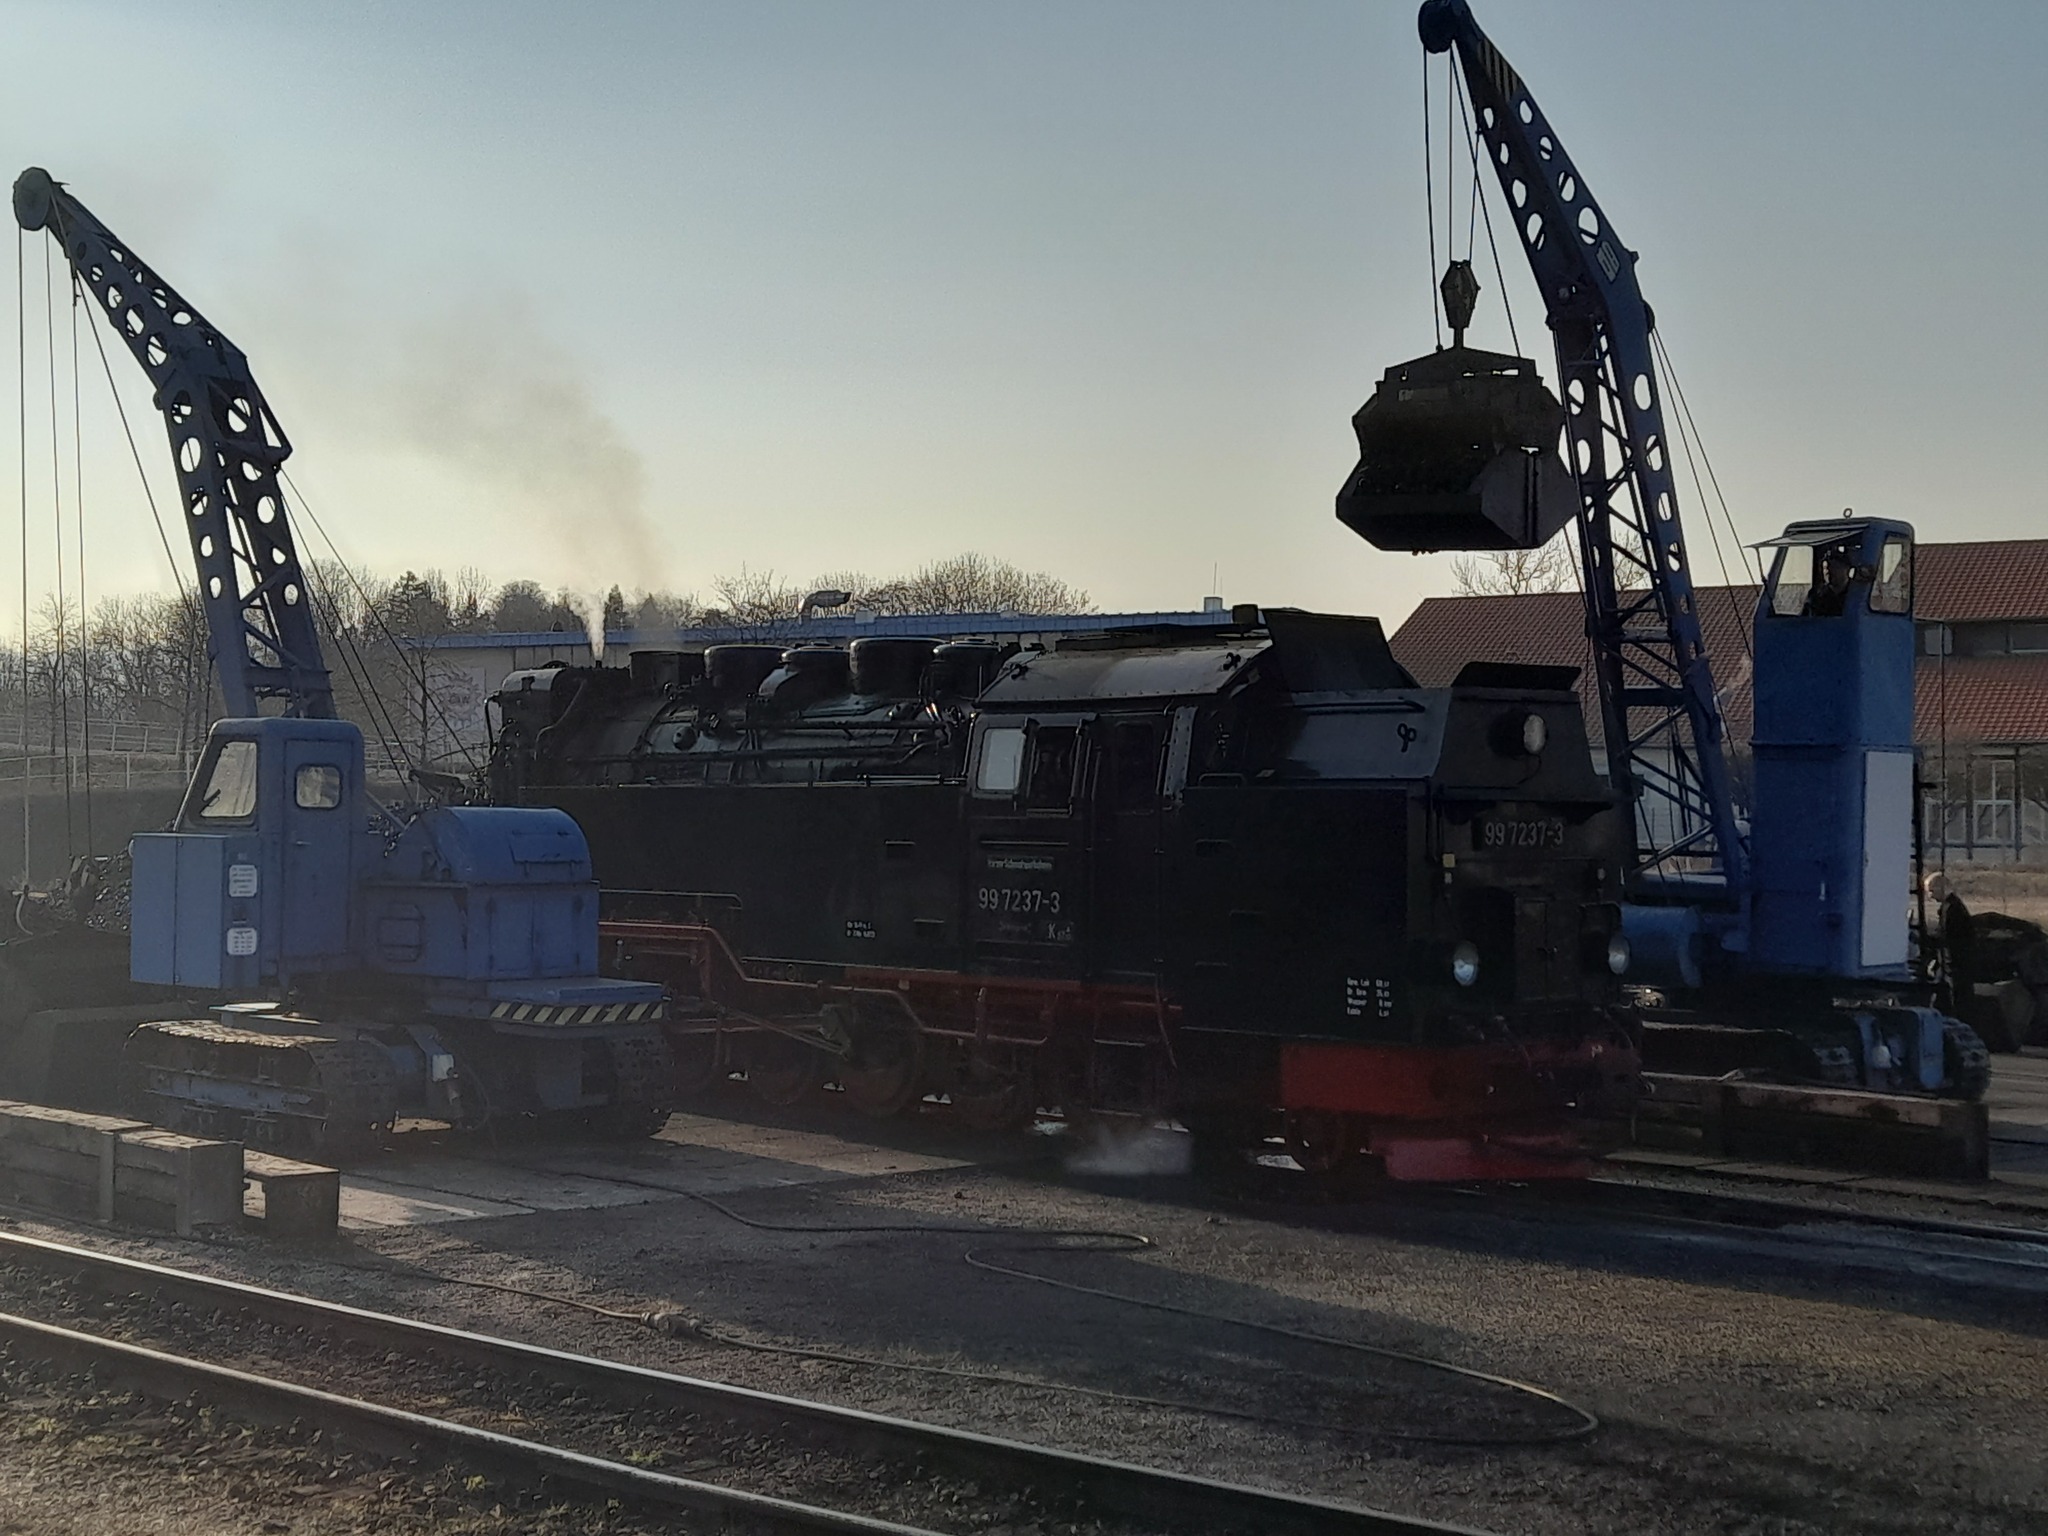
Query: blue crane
[
  {"x": 364, "y": 965},
  {"x": 1795, "y": 916}
]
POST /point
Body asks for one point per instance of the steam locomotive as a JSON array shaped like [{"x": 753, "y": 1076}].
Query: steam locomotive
[{"x": 1252, "y": 877}]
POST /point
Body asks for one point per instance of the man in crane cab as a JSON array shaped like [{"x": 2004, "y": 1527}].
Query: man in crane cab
[{"x": 1830, "y": 595}]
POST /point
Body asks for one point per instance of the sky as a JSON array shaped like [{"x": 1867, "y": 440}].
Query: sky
[{"x": 647, "y": 293}]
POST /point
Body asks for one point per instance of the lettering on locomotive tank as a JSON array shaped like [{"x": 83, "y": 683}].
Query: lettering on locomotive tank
[
  {"x": 1517, "y": 834},
  {"x": 1368, "y": 997},
  {"x": 1018, "y": 863},
  {"x": 859, "y": 928}
]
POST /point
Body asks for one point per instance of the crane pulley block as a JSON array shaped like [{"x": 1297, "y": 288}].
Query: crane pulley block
[{"x": 1458, "y": 450}]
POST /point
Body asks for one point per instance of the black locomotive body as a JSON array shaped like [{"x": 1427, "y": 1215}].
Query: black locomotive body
[{"x": 1254, "y": 877}]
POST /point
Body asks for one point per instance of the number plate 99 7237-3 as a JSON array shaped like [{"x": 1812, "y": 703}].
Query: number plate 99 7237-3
[{"x": 1517, "y": 834}]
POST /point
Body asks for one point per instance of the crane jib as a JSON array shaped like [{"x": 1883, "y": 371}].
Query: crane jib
[
  {"x": 227, "y": 450},
  {"x": 1479, "y": 476}
]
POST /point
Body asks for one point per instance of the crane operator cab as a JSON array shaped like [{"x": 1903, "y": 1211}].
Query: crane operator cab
[
  {"x": 277, "y": 872},
  {"x": 1832, "y": 824}
]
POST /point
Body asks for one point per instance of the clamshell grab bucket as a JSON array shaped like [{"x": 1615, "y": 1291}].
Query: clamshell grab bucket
[{"x": 1458, "y": 450}]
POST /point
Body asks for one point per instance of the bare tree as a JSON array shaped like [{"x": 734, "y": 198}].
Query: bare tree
[
  {"x": 655, "y": 611},
  {"x": 972, "y": 583},
  {"x": 1515, "y": 572},
  {"x": 469, "y": 599},
  {"x": 753, "y": 599}
]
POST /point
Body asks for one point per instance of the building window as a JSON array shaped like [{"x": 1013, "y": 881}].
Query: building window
[
  {"x": 1992, "y": 801},
  {"x": 1981, "y": 640}
]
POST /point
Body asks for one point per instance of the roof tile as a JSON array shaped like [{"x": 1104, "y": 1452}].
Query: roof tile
[{"x": 1982, "y": 699}]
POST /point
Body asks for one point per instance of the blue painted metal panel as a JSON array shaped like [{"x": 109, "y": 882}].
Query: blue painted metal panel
[
  {"x": 318, "y": 809},
  {"x": 1834, "y": 684},
  {"x": 182, "y": 914},
  {"x": 484, "y": 894}
]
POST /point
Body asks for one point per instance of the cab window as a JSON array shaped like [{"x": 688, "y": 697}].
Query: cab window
[
  {"x": 230, "y": 792},
  {"x": 1053, "y": 752},
  {"x": 1134, "y": 755},
  {"x": 1001, "y": 767},
  {"x": 1793, "y": 580},
  {"x": 316, "y": 787}
]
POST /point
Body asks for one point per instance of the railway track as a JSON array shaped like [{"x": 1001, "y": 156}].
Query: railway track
[
  {"x": 1118, "y": 1495},
  {"x": 1785, "y": 1234}
]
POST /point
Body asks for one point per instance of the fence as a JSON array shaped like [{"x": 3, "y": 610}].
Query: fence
[
  {"x": 119, "y": 770},
  {"x": 102, "y": 735}
]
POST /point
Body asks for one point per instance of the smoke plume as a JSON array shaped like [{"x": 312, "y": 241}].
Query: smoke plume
[{"x": 488, "y": 391}]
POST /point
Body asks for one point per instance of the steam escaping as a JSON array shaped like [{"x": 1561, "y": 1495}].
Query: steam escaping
[
  {"x": 487, "y": 391},
  {"x": 1132, "y": 1152},
  {"x": 591, "y": 610}
]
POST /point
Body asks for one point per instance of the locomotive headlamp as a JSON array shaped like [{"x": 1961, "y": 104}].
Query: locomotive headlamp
[
  {"x": 1535, "y": 734},
  {"x": 1618, "y": 955},
  {"x": 1465, "y": 963}
]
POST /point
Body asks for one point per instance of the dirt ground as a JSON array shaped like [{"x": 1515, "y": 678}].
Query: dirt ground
[{"x": 1744, "y": 1383}]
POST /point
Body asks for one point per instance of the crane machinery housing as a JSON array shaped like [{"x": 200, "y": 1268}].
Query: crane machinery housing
[{"x": 365, "y": 963}]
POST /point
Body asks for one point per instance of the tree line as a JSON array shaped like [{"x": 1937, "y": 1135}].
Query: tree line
[{"x": 137, "y": 665}]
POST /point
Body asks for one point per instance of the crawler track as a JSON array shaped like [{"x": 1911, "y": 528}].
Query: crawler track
[{"x": 1127, "y": 1496}]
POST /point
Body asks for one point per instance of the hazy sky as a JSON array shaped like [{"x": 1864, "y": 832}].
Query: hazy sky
[{"x": 649, "y": 292}]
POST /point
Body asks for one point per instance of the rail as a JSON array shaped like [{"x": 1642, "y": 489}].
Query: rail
[{"x": 1149, "y": 1497}]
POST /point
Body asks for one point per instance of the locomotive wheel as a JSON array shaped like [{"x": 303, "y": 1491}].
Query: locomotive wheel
[
  {"x": 781, "y": 1071},
  {"x": 885, "y": 1074},
  {"x": 1322, "y": 1141}
]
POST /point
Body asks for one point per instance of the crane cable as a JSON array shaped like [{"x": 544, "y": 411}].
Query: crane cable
[
  {"x": 60, "y": 617},
  {"x": 1507, "y": 304},
  {"x": 390, "y": 635},
  {"x": 78, "y": 511},
  {"x": 21, "y": 403},
  {"x": 188, "y": 597},
  {"x": 1429, "y": 197},
  {"x": 1688, "y": 435}
]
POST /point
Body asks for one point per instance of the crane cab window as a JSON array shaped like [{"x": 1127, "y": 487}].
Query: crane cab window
[
  {"x": 1819, "y": 580},
  {"x": 1892, "y": 591},
  {"x": 316, "y": 787},
  {"x": 229, "y": 793},
  {"x": 1792, "y": 581},
  {"x": 1001, "y": 767}
]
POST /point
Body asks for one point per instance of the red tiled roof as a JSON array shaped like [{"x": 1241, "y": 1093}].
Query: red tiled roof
[
  {"x": 2000, "y": 579},
  {"x": 1549, "y": 629},
  {"x": 2001, "y": 699},
  {"x": 1988, "y": 699}
]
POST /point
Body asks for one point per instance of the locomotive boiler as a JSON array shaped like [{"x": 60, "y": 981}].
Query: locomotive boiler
[{"x": 1253, "y": 877}]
